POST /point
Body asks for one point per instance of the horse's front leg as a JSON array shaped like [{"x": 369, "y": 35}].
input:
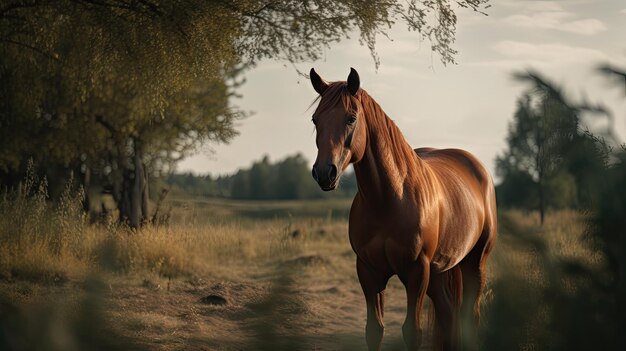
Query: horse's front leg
[
  {"x": 415, "y": 280},
  {"x": 373, "y": 286}
]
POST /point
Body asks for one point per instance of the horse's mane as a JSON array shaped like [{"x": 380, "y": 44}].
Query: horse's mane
[
  {"x": 389, "y": 135},
  {"x": 390, "y": 138}
]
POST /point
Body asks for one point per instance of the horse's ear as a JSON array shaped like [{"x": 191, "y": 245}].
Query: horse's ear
[
  {"x": 318, "y": 83},
  {"x": 353, "y": 82}
]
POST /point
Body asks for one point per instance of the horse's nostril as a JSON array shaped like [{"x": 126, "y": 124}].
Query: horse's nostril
[
  {"x": 332, "y": 173},
  {"x": 314, "y": 174}
]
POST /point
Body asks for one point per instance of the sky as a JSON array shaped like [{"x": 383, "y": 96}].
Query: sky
[{"x": 468, "y": 105}]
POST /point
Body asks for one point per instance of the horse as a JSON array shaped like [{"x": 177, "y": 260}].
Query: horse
[{"x": 426, "y": 215}]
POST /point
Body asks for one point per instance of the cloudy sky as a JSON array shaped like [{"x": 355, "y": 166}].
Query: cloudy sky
[{"x": 467, "y": 105}]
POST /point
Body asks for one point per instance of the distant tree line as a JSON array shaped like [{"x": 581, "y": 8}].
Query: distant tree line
[{"x": 286, "y": 179}]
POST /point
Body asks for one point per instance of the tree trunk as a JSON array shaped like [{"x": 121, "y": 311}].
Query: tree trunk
[
  {"x": 123, "y": 201},
  {"x": 138, "y": 187},
  {"x": 542, "y": 203},
  {"x": 145, "y": 197},
  {"x": 86, "y": 186}
]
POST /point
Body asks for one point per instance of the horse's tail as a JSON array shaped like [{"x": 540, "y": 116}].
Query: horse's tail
[
  {"x": 452, "y": 287},
  {"x": 435, "y": 336}
]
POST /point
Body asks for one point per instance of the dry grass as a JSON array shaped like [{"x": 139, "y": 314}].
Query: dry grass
[
  {"x": 531, "y": 252},
  {"x": 41, "y": 241},
  {"x": 286, "y": 283},
  {"x": 563, "y": 237}
]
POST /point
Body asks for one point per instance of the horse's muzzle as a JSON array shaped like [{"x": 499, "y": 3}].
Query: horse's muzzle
[{"x": 325, "y": 176}]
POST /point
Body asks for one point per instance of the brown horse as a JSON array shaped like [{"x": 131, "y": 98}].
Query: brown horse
[{"x": 427, "y": 215}]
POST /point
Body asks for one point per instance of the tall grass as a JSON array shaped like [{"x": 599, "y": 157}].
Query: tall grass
[
  {"x": 40, "y": 241},
  {"x": 44, "y": 241},
  {"x": 190, "y": 250}
]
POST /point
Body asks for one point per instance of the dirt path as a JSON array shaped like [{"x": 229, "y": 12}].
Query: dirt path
[{"x": 319, "y": 306}]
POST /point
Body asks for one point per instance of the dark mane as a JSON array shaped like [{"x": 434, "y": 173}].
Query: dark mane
[{"x": 389, "y": 135}]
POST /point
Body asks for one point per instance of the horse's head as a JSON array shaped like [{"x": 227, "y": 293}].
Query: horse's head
[{"x": 340, "y": 126}]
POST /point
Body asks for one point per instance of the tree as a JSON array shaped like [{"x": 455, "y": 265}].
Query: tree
[
  {"x": 260, "y": 177},
  {"x": 293, "y": 179},
  {"x": 549, "y": 147},
  {"x": 240, "y": 186},
  {"x": 532, "y": 143},
  {"x": 197, "y": 115},
  {"x": 90, "y": 82},
  {"x": 123, "y": 89},
  {"x": 617, "y": 74}
]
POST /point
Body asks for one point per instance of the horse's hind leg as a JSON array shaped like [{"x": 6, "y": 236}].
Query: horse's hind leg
[
  {"x": 473, "y": 267},
  {"x": 373, "y": 286},
  {"x": 445, "y": 291}
]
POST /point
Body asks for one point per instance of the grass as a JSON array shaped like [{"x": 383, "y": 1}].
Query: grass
[
  {"x": 223, "y": 278},
  {"x": 541, "y": 279},
  {"x": 44, "y": 241},
  {"x": 206, "y": 211}
]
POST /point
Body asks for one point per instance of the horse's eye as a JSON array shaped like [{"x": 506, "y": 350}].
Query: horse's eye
[{"x": 351, "y": 120}]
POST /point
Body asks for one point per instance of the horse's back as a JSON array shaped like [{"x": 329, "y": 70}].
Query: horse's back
[{"x": 463, "y": 161}]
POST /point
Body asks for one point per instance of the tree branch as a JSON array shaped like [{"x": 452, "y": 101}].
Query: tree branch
[
  {"x": 35, "y": 49},
  {"x": 106, "y": 125},
  {"x": 17, "y": 5}
]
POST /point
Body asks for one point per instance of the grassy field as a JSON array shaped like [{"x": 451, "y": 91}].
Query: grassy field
[{"x": 228, "y": 275}]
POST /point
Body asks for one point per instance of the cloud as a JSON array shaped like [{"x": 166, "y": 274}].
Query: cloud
[
  {"x": 533, "y": 6},
  {"x": 517, "y": 54},
  {"x": 557, "y": 20},
  {"x": 555, "y": 52}
]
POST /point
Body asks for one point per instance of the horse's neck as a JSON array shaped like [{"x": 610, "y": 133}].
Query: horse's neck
[{"x": 389, "y": 164}]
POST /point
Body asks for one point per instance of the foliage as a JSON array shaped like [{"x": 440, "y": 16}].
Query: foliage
[
  {"x": 518, "y": 190},
  {"x": 112, "y": 88},
  {"x": 577, "y": 303}
]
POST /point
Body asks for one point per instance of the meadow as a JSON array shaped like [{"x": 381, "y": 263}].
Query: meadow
[{"x": 240, "y": 275}]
